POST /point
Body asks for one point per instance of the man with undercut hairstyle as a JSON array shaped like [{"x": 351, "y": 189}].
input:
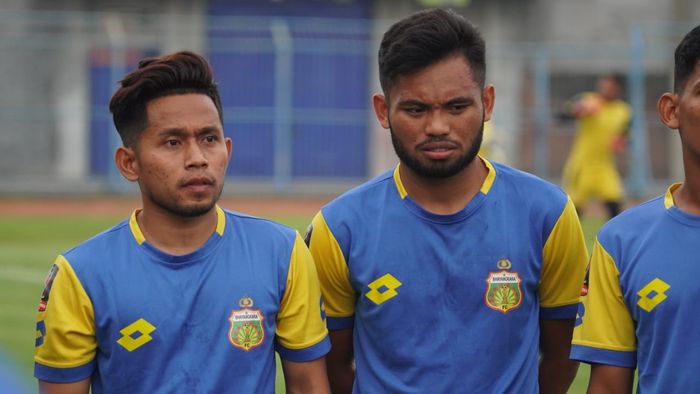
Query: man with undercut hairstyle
[
  {"x": 448, "y": 273},
  {"x": 183, "y": 296}
]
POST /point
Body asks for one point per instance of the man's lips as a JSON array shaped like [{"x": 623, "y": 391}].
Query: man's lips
[
  {"x": 198, "y": 183},
  {"x": 438, "y": 150}
]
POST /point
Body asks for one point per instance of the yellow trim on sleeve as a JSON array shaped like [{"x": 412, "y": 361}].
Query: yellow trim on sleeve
[
  {"x": 220, "y": 221},
  {"x": 69, "y": 320},
  {"x": 299, "y": 321},
  {"x": 606, "y": 322},
  {"x": 605, "y": 346},
  {"x": 134, "y": 226},
  {"x": 333, "y": 272},
  {"x": 399, "y": 185},
  {"x": 668, "y": 197},
  {"x": 564, "y": 260},
  {"x": 490, "y": 177}
]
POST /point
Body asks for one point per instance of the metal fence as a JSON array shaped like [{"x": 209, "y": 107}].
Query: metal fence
[{"x": 296, "y": 94}]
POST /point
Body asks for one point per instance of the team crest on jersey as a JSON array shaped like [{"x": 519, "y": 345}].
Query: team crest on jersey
[
  {"x": 503, "y": 292},
  {"x": 247, "y": 330},
  {"x": 48, "y": 282}
]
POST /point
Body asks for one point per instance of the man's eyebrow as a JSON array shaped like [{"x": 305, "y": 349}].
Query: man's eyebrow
[
  {"x": 459, "y": 100},
  {"x": 178, "y": 132},
  {"x": 418, "y": 103},
  {"x": 411, "y": 102},
  {"x": 209, "y": 129},
  {"x": 171, "y": 132}
]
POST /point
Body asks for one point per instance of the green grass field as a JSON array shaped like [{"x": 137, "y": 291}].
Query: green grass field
[{"x": 27, "y": 248}]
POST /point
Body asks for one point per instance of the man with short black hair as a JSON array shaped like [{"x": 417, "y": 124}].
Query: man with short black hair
[
  {"x": 640, "y": 299},
  {"x": 449, "y": 273},
  {"x": 183, "y": 296}
]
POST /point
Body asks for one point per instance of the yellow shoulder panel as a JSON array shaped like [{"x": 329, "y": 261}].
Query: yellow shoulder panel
[
  {"x": 333, "y": 273},
  {"x": 300, "y": 323},
  {"x": 564, "y": 261},
  {"x": 606, "y": 322},
  {"x": 66, "y": 326}
]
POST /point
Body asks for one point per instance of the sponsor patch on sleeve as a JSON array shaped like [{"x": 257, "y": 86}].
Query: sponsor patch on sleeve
[
  {"x": 47, "y": 288},
  {"x": 307, "y": 237}
]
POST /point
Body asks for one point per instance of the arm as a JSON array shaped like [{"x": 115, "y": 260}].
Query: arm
[
  {"x": 80, "y": 387},
  {"x": 608, "y": 379},
  {"x": 564, "y": 266},
  {"x": 580, "y": 105},
  {"x": 619, "y": 141},
  {"x": 65, "y": 333},
  {"x": 339, "y": 298},
  {"x": 339, "y": 361},
  {"x": 605, "y": 323},
  {"x": 557, "y": 371},
  {"x": 306, "y": 377}
]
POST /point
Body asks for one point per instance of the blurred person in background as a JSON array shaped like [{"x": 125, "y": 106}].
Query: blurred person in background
[
  {"x": 183, "y": 296},
  {"x": 640, "y": 298},
  {"x": 492, "y": 144},
  {"x": 601, "y": 127},
  {"x": 448, "y": 273}
]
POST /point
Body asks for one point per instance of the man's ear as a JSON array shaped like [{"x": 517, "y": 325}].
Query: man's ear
[
  {"x": 229, "y": 147},
  {"x": 668, "y": 110},
  {"x": 488, "y": 98},
  {"x": 381, "y": 109},
  {"x": 125, "y": 159}
]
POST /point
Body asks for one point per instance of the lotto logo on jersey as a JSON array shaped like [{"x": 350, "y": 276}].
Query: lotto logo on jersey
[
  {"x": 247, "y": 330},
  {"x": 503, "y": 291}
]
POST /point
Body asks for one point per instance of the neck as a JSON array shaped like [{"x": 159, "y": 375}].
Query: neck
[
  {"x": 445, "y": 196},
  {"x": 176, "y": 235},
  {"x": 687, "y": 196}
]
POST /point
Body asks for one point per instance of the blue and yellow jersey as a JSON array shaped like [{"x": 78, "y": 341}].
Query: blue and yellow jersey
[
  {"x": 136, "y": 320},
  {"x": 639, "y": 306},
  {"x": 427, "y": 294}
]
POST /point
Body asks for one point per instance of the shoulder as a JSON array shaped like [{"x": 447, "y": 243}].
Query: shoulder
[
  {"x": 541, "y": 203},
  {"x": 622, "y": 104},
  {"x": 528, "y": 188},
  {"x": 101, "y": 244},
  {"x": 632, "y": 225},
  {"x": 362, "y": 197},
  {"x": 255, "y": 227},
  {"x": 620, "y": 107}
]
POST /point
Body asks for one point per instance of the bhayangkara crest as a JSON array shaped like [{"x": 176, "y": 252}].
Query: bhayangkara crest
[
  {"x": 503, "y": 292},
  {"x": 247, "y": 330}
]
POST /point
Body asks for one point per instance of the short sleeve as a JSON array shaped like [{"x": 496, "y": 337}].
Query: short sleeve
[
  {"x": 604, "y": 332},
  {"x": 66, "y": 345},
  {"x": 301, "y": 330},
  {"x": 333, "y": 274},
  {"x": 563, "y": 266}
]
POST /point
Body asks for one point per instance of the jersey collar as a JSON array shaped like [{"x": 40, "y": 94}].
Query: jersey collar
[
  {"x": 140, "y": 239},
  {"x": 675, "y": 212},
  {"x": 485, "y": 187},
  {"x": 668, "y": 197}
]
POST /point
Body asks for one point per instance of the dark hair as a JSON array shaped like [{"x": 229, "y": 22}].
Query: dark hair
[
  {"x": 177, "y": 73},
  {"x": 425, "y": 38},
  {"x": 686, "y": 58}
]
